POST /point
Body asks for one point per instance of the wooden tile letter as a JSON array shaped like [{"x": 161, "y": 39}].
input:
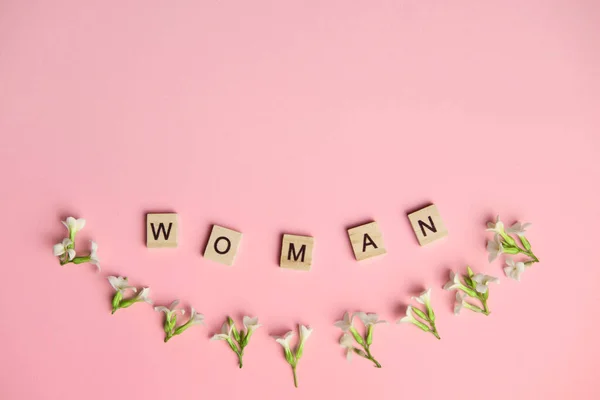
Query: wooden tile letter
[
  {"x": 161, "y": 230},
  {"x": 427, "y": 224},
  {"x": 296, "y": 252},
  {"x": 367, "y": 241},
  {"x": 222, "y": 245}
]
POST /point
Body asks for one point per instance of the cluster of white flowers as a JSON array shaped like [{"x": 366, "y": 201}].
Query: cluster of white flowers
[
  {"x": 504, "y": 243},
  {"x": 365, "y": 341},
  {"x": 170, "y": 325},
  {"x": 121, "y": 286},
  {"x": 427, "y": 317},
  {"x": 65, "y": 250},
  {"x": 237, "y": 340},
  {"x": 474, "y": 286},
  {"x": 293, "y": 356}
]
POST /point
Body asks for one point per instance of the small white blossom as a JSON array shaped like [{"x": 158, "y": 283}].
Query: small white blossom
[
  {"x": 251, "y": 324},
  {"x": 497, "y": 226},
  {"x": 225, "y": 333},
  {"x": 409, "y": 316},
  {"x": 305, "y": 333},
  {"x": 143, "y": 296},
  {"x": 74, "y": 225},
  {"x": 514, "y": 269},
  {"x": 196, "y": 318},
  {"x": 94, "y": 255},
  {"x": 285, "y": 340},
  {"x": 494, "y": 248},
  {"x": 120, "y": 284},
  {"x": 518, "y": 228},
  {"x": 369, "y": 319},
  {"x": 459, "y": 302},
  {"x": 170, "y": 310},
  {"x": 425, "y": 297},
  {"x": 347, "y": 343},
  {"x": 346, "y": 323},
  {"x": 483, "y": 281},
  {"x": 454, "y": 282},
  {"x": 60, "y": 249}
]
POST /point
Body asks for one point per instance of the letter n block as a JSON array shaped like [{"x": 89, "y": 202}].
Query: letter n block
[
  {"x": 161, "y": 230},
  {"x": 222, "y": 245},
  {"x": 427, "y": 224},
  {"x": 367, "y": 241},
  {"x": 296, "y": 252}
]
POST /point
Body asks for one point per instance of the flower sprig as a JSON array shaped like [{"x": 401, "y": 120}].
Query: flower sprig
[
  {"x": 427, "y": 316},
  {"x": 503, "y": 242},
  {"x": 121, "y": 286},
  {"x": 293, "y": 356},
  {"x": 238, "y": 340},
  {"x": 475, "y": 286},
  {"x": 369, "y": 321},
  {"x": 65, "y": 250},
  {"x": 170, "y": 325}
]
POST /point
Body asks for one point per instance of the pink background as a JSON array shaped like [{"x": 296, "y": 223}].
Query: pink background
[{"x": 300, "y": 117}]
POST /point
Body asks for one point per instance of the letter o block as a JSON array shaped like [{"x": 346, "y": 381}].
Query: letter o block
[
  {"x": 222, "y": 245},
  {"x": 296, "y": 252}
]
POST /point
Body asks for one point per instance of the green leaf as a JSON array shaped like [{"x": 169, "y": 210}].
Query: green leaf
[
  {"x": 357, "y": 336},
  {"x": 525, "y": 242},
  {"x": 420, "y": 313},
  {"x": 511, "y": 250},
  {"x": 116, "y": 300},
  {"x": 370, "y": 335},
  {"x": 234, "y": 330},
  {"x": 468, "y": 281},
  {"x": 470, "y": 272}
]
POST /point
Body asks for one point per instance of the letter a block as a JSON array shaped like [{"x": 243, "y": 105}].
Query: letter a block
[
  {"x": 427, "y": 224},
  {"x": 367, "y": 241},
  {"x": 222, "y": 245},
  {"x": 161, "y": 230},
  {"x": 296, "y": 252}
]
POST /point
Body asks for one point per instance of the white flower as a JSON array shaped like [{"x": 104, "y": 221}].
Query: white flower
[
  {"x": 425, "y": 297},
  {"x": 251, "y": 324},
  {"x": 494, "y": 247},
  {"x": 170, "y": 310},
  {"x": 519, "y": 228},
  {"x": 497, "y": 226},
  {"x": 120, "y": 284},
  {"x": 305, "y": 333},
  {"x": 225, "y": 333},
  {"x": 459, "y": 302},
  {"x": 346, "y": 323},
  {"x": 196, "y": 318},
  {"x": 514, "y": 269},
  {"x": 453, "y": 283},
  {"x": 60, "y": 249},
  {"x": 347, "y": 343},
  {"x": 94, "y": 256},
  {"x": 369, "y": 319},
  {"x": 285, "y": 340},
  {"x": 143, "y": 296},
  {"x": 409, "y": 316},
  {"x": 482, "y": 282},
  {"x": 74, "y": 225}
]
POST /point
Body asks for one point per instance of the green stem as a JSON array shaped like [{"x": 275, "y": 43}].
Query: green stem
[
  {"x": 240, "y": 361},
  {"x": 434, "y": 330},
  {"x": 370, "y": 357},
  {"x": 486, "y": 310},
  {"x": 295, "y": 378}
]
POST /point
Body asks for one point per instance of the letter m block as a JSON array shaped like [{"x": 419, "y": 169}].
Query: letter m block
[
  {"x": 161, "y": 230},
  {"x": 296, "y": 252}
]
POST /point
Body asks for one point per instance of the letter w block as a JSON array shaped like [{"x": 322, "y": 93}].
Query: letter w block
[
  {"x": 296, "y": 252},
  {"x": 161, "y": 230}
]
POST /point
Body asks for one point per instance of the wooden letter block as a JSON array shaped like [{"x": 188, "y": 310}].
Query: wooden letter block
[
  {"x": 161, "y": 230},
  {"x": 296, "y": 252},
  {"x": 222, "y": 245},
  {"x": 367, "y": 241},
  {"x": 428, "y": 225}
]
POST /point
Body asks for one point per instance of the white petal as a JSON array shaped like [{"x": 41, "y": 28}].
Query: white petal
[
  {"x": 58, "y": 249},
  {"x": 349, "y": 354},
  {"x": 305, "y": 332},
  {"x": 162, "y": 309},
  {"x": 80, "y": 223},
  {"x": 71, "y": 254},
  {"x": 220, "y": 336},
  {"x": 481, "y": 288},
  {"x": 174, "y": 304},
  {"x": 115, "y": 282}
]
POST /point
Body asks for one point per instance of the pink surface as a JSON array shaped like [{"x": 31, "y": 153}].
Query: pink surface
[{"x": 299, "y": 117}]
